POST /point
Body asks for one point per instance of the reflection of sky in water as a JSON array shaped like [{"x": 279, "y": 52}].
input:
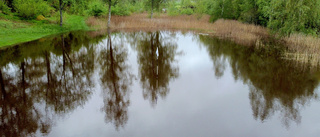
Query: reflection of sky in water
[{"x": 198, "y": 104}]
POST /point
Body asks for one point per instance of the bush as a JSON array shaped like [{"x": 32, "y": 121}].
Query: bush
[
  {"x": 78, "y": 7},
  {"x": 4, "y": 8},
  {"x": 138, "y": 6},
  {"x": 97, "y": 8},
  {"x": 187, "y": 11},
  {"x": 120, "y": 10},
  {"x": 29, "y": 9},
  {"x": 173, "y": 9}
]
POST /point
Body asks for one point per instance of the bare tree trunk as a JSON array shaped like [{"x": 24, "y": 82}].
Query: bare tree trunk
[
  {"x": 60, "y": 8},
  {"x": 151, "y": 8},
  {"x": 222, "y": 8},
  {"x": 109, "y": 18}
]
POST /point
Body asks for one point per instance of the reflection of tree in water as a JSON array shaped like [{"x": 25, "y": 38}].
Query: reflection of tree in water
[
  {"x": 68, "y": 81},
  {"x": 18, "y": 115},
  {"x": 42, "y": 83},
  {"x": 276, "y": 85},
  {"x": 116, "y": 80},
  {"x": 156, "y": 54}
]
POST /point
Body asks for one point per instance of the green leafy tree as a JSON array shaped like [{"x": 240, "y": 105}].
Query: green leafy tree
[
  {"x": 154, "y": 4},
  {"x": 4, "y": 8},
  {"x": 96, "y": 8},
  {"x": 294, "y": 16},
  {"x": 9, "y": 3}
]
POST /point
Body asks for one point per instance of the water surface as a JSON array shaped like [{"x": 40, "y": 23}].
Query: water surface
[{"x": 153, "y": 84}]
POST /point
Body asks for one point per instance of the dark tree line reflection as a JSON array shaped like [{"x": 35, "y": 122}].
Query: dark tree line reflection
[
  {"x": 51, "y": 77},
  {"x": 276, "y": 85},
  {"x": 156, "y": 55},
  {"x": 41, "y": 80},
  {"x": 116, "y": 80}
]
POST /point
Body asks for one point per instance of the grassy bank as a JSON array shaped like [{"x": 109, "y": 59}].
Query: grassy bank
[{"x": 14, "y": 31}]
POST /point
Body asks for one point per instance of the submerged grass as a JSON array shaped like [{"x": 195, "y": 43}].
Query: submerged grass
[
  {"x": 241, "y": 33},
  {"x": 16, "y": 31},
  {"x": 303, "y": 48}
]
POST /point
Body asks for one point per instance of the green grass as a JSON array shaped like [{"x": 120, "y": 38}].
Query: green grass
[{"x": 14, "y": 31}]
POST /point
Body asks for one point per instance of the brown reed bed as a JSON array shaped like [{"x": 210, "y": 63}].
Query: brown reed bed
[
  {"x": 244, "y": 34},
  {"x": 303, "y": 48},
  {"x": 241, "y": 33},
  {"x": 300, "y": 47}
]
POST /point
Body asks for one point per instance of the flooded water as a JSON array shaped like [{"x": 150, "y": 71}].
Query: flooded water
[{"x": 158, "y": 84}]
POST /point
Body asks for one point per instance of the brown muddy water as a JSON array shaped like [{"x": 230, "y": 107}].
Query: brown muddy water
[{"x": 159, "y": 84}]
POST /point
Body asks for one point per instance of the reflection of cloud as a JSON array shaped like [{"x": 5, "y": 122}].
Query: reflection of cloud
[{"x": 275, "y": 85}]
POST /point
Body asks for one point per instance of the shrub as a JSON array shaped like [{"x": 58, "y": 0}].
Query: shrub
[
  {"x": 173, "y": 9},
  {"x": 4, "y": 8},
  {"x": 29, "y": 9},
  {"x": 138, "y": 6},
  {"x": 40, "y": 17},
  {"x": 120, "y": 10},
  {"x": 187, "y": 11},
  {"x": 78, "y": 7},
  {"x": 97, "y": 8}
]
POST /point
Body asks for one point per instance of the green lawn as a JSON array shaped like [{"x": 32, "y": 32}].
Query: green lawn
[{"x": 14, "y": 31}]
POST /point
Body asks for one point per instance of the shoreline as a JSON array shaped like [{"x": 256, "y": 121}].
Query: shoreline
[
  {"x": 14, "y": 32},
  {"x": 298, "y": 47}
]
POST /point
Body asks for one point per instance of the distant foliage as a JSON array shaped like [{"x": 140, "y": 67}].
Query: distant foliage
[
  {"x": 187, "y": 11},
  {"x": 184, "y": 7},
  {"x": 4, "y": 8},
  {"x": 173, "y": 8},
  {"x": 78, "y": 7},
  {"x": 29, "y": 9},
  {"x": 136, "y": 6},
  {"x": 284, "y": 16},
  {"x": 121, "y": 9},
  {"x": 299, "y": 16},
  {"x": 97, "y": 8}
]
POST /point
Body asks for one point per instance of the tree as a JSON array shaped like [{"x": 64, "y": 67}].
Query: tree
[
  {"x": 109, "y": 12},
  {"x": 155, "y": 4},
  {"x": 9, "y": 3},
  {"x": 62, "y": 3},
  {"x": 294, "y": 16}
]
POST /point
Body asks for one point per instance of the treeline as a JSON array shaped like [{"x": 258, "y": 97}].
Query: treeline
[
  {"x": 283, "y": 16},
  {"x": 31, "y": 8}
]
